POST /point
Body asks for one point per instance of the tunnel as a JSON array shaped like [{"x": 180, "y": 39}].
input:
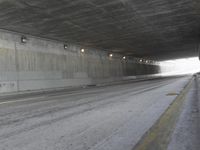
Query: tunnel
[{"x": 99, "y": 74}]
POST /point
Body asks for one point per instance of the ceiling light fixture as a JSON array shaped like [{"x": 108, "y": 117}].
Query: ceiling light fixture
[
  {"x": 23, "y": 39},
  {"x": 65, "y": 46},
  {"x": 82, "y": 50}
]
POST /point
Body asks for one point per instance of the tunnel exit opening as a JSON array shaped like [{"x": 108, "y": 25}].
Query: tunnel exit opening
[{"x": 180, "y": 66}]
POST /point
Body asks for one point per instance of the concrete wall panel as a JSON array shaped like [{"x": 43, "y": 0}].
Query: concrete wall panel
[
  {"x": 41, "y": 64},
  {"x": 44, "y": 84}
]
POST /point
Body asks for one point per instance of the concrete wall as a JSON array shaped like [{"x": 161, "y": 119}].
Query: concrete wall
[{"x": 40, "y": 64}]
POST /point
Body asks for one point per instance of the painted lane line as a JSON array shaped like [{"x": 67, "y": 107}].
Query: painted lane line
[{"x": 22, "y": 100}]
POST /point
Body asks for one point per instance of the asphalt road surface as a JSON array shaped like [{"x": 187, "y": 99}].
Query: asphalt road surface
[{"x": 111, "y": 117}]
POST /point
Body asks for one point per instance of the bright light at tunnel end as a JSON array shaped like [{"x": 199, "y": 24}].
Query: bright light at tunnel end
[{"x": 180, "y": 66}]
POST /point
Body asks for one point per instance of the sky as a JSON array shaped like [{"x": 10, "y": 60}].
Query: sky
[{"x": 180, "y": 66}]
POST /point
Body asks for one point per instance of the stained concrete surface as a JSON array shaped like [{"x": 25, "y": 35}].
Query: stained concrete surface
[
  {"x": 102, "y": 118},
  {"x": 42, "y": 63}
]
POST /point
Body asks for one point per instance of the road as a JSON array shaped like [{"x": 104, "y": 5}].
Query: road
[{"x": 111, "y": 117}]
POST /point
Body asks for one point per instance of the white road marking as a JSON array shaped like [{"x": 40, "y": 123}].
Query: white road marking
[{"x": 22, "y": 100}]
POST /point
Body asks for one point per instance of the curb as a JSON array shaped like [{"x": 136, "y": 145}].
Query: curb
[{"x": 158, "y": 136}]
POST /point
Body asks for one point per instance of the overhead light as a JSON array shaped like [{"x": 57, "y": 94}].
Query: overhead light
[
  {"x": 110, "y": 55},
  {"x": 140, "y": 60},
  {"x": 23, "y": 39},
  {"x": 65, "y": 46},
  {"x": 82, "y": 50},
  {"x": 124, "y": 57},
  {"x": 147, "y": 61}
]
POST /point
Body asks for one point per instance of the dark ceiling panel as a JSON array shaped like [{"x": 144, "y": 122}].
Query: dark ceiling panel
[{"x": 160, "y": 29}]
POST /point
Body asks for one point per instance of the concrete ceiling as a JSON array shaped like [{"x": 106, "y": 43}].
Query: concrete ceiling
[{"x": 159, "y": 29}]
